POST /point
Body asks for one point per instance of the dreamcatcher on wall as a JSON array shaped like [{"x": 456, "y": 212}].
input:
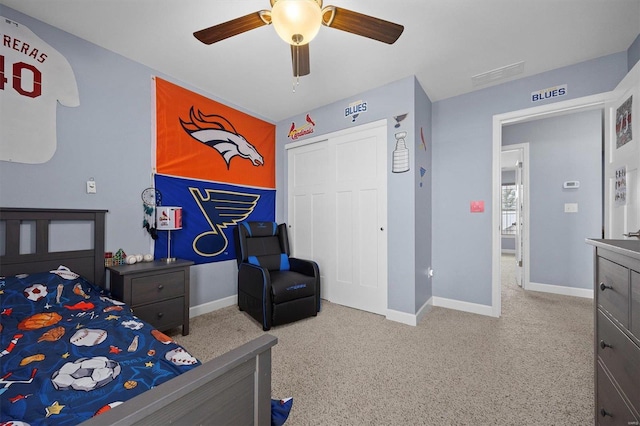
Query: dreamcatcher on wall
[{"x": 151, "y": 198}]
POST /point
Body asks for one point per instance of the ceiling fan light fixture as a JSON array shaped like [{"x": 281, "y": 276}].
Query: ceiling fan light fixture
[{"x": 297, "y": 22}]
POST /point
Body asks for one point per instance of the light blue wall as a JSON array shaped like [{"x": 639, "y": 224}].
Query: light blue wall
[
  {"x": 508, "y": 243},
  {"x": 423, "y": 156},
  {"x": 462, "y": 169},
  {"x": 382, "y": 103},
  {"x": 633, "y": 53},
  {"x": 108, "y": 138},
  {"x": 564, "y": 148}
]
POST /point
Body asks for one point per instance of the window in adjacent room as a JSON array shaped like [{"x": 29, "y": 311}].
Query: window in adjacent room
[{"x": 509, "y": 204}]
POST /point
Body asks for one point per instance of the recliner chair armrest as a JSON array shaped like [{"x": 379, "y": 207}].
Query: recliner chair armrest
[
  {"x": 253, "y": 279},
  {"x": 303, "y": 266}
]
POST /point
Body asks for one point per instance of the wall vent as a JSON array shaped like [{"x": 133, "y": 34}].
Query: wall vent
[{"x": 498, "y": 74}]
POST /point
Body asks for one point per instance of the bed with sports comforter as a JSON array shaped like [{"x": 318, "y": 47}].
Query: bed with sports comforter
[{"x": 70, "y": 352}]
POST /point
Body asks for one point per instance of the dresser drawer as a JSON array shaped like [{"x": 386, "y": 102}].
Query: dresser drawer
[
  {"x": 635, "y": 305},
  {"x": 622, "y": 357},
  {"x": 151, "y": 288},
  {"x": 162, "y": 315},
  {"x": 611, "y": 409},
  {"x": 614, "y": 296}
]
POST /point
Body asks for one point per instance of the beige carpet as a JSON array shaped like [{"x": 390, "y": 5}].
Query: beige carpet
[{"x": 532, "y": 366}]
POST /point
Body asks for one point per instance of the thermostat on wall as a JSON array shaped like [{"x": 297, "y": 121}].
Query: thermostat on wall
[{"x": 572, "y": 184}]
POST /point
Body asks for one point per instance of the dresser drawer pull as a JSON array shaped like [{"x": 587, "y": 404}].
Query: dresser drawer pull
[
  {"x": 160, "y": 286},
  {"x": 160, "y": 314},
  {"x": 605, "y": 413},
  {"x": 604, "y": 345},
  {"x": 603, "y": 286}
]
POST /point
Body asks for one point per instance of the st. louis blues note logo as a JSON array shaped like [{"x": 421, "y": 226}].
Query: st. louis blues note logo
[
  {"x": 221, "y": 209},
  {"x": 218, "y": 133}
]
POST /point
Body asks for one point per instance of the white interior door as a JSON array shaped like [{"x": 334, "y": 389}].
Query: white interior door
[
  {"x": 622, "y": 157},
  {"x": 519, "y": 224},
  {"x": 308, "y": 186},
  {"x": 516, "y": 157},
  {"x": 347, "y": 235},
  {"x": 360, "y": 205}
]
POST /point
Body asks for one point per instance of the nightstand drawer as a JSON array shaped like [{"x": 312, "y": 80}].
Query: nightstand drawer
[
  {"x": 612, "y": 290},
  {"x": 152, "y": 288},
  {"x": 157, "y": 291},
  {"x": 620, "y": 355},
  {"x": 162, "y": 315},
  {"x": 611, "y": 408}
]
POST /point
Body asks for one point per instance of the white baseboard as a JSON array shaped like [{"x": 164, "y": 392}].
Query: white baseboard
[
  {"x": 563, "y": 290},
  {"x": 458, "y": 305},
  {"x": 409, "y": 319},
  {"x": 205, "y": 308}
]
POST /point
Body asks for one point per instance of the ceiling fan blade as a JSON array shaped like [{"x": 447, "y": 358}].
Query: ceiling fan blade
[
  {"x": 234, "y": 27},
  {"x": 362, "y": 25},
  {"x": 300, "y": 60}
]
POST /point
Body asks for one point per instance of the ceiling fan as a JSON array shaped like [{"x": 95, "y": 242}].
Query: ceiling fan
[{"x": 298, "y": 21}]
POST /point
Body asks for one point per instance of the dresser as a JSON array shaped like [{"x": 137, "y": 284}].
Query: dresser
[
  {"x": 158, "y": 292},
  {"x": 617, "y": 332}
]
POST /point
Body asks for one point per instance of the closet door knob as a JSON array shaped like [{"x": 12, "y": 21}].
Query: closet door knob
[
  {"x": 604, "y": 345},
  {"x": 603, "y": 286}
]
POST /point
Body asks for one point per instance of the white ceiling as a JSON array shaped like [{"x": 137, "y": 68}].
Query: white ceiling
[{"x": 444, "y": 44}]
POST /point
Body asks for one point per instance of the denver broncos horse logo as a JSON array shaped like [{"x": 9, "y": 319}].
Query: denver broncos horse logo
[{"x": 218, "y": 133}]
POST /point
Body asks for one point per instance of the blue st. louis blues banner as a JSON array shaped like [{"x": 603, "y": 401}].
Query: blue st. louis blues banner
[{"x": 210, "y": 211}]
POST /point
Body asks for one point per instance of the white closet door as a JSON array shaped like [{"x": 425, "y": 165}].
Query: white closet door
[
  {"x": 309, "y": 217},
  {"x": 344, "y": 177}
]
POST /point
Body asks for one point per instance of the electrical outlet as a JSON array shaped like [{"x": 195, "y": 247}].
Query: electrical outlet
[
  {"x": 91, "y": 187},
  {"x": 571, "y": 207}
]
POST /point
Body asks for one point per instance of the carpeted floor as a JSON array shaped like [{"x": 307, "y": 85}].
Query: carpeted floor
[{"x": 532, "y": 366}]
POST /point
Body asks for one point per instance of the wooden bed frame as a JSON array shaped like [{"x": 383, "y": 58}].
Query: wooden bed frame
[{"x": 234, "y": 388}]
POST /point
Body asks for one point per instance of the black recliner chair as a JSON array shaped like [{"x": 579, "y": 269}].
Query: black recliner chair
[{"x": 274, "y": 288}]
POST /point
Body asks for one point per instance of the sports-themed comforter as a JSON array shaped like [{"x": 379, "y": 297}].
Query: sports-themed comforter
[{"x": 69, "y": 352}]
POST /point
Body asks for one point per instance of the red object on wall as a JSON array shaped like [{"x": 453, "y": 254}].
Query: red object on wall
[{"x": 477, "y": 207}]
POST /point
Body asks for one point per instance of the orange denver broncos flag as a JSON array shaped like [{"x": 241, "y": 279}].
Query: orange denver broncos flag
[{"x": 199, "y": 138}]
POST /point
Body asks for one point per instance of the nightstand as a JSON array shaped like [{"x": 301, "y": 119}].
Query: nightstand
[{"x": 158, "y": 292}]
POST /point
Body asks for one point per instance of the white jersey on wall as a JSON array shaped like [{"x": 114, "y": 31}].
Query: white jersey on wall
[{"x": 33, "y": 78}]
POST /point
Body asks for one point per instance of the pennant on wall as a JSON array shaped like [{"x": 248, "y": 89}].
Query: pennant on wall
[
  {"x": 34, "y": 77},
  {"x": 210, "y": 210},
  {"x": 202, "y": 139},
  {"x": 215, "y": 162}
]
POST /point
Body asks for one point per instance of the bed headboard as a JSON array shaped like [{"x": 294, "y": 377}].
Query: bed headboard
[{"x": 87, "y": 262}]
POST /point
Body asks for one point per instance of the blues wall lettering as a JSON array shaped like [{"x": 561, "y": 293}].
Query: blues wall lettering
[
  {"x": 550, "y": 93},
  {"x": 355, "y": 108}
]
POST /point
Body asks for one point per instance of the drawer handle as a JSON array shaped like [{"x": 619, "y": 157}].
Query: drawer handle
[
  {"x": 605, "y": 345},
  {"x": 160, "y": 314},
  {"x": 605, "y": 413},
  {"x": 160, "y": 286},
  {"x": 603, "y": 287}
]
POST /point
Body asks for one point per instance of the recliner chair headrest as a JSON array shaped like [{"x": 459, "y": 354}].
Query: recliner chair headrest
[{"x": 260, "y": 229}]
